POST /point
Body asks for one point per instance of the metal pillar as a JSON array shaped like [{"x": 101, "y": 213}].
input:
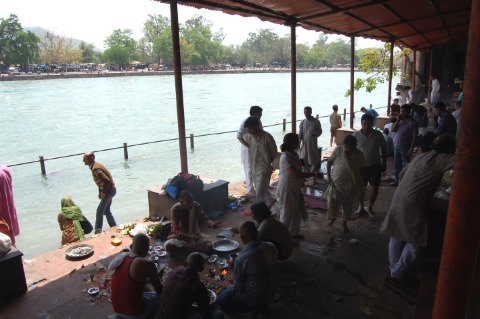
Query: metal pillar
[
  {"x": 462, "y": 237},
  {"x": 390, "y": 72},
  {"x": 414, "y": 75},
  {"x": 293, "y": 70},
  {"x": 352, "y": 89},
  {"x": 177, "y": 67}
]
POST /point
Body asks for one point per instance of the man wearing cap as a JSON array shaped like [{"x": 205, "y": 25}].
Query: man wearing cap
[{"x": 106, "y": 191}]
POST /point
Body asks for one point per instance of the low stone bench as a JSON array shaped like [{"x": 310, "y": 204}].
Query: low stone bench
[{"x": 213, "y": 197}]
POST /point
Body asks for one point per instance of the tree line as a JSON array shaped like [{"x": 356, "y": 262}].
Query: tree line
[{"x": 200, "y": 48}]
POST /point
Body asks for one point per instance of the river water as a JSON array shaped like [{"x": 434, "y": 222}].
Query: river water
[{"x": 69, "y": 116}]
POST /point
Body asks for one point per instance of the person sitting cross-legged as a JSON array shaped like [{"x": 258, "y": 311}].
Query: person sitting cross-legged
[
  {"x": 253, "y": 274},
  {"x": 272, "y": 230},
  {"x": 183, "y": 287},
  {"x": 185, "y": 236}
]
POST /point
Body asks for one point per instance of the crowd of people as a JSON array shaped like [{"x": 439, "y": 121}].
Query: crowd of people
[{"x": 270, "y": 238}]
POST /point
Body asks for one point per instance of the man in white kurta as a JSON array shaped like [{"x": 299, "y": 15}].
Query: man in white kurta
[
  {"x": 435, "y": 93},
  {"x": 263, "y": 151},
  {"x": 245, "y": 139},
  {"x": 406, "y": 220},
  {"x": 309, "y": 131}
]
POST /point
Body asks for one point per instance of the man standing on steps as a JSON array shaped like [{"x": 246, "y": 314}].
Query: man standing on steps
[
  {"x": 372, "y": 143},
  {"x": 263, "y": 151},
  {"x": 245, "y": 139},
  {"x": 106, "y": 191},
  {"x": 309, "y": 131}
]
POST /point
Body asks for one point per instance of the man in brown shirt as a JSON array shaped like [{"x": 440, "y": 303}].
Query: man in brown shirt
[
  {"x": 187, "y": 216},
  {"x": 106, "y": 191}
]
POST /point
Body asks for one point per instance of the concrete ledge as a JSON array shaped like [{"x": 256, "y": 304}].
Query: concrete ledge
[{"x": 213, "y": 197}]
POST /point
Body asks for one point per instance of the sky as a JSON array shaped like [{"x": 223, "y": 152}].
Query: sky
[{"x": 93, "y": 21}]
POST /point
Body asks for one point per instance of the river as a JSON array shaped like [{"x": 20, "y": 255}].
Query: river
[{"x": 69, "y": 116}]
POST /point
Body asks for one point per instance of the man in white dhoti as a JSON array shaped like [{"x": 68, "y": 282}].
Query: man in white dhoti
[
  {"x": 263, "y": 151},
  {"x": 244, "y": 138},
  {"x": 406, "y": 221},
  {"x": 309, "y": 131},
  {"x": 435, "y": 93}
]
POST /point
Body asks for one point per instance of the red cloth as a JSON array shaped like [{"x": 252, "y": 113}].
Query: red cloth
[
  {"x": 127, "y": 294},
  {"x": 7, "y": 205}
]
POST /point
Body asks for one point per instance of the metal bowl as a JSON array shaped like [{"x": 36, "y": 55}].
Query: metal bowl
[
  {"x": 225, "y": 245},
  {"x": 93, "y": 291},
  {"x": 79, "y": 252}
]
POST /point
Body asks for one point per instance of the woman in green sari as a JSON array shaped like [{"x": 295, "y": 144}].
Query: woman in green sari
[{"x": 69, "y": 220}]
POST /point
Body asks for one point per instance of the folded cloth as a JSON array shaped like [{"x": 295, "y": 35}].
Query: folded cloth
[{"x": 117, "y": 261}]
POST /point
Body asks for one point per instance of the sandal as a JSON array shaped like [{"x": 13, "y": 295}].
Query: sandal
[{"x": 361, "y": 212}]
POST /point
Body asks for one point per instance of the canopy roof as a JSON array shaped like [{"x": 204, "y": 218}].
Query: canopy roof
[{"x": 417, "y": 24}]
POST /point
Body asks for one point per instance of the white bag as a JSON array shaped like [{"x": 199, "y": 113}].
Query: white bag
[{"x": 5, "y": 244}]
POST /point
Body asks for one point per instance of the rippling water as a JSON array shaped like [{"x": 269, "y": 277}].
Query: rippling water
[{"x": 61, "y": 117}]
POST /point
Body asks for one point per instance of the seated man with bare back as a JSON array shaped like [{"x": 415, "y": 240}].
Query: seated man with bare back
[{"x": 129, "y": 300}]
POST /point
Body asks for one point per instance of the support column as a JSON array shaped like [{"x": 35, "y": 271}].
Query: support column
[
  {"x": 390, "y": 72},
  {"x": 177, "y": 67},
  {"x": 414, "y": 75},
  {"x": 462, "y": 237},
  {"x": 293, "y": 70},
  {"x": 352, "y": 80}
]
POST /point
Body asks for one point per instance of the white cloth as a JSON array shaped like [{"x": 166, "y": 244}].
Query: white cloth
[
  {"x": 391, "y": 134},
  {"x": 406, "y": 219},
  {"x": 347, "y": 182},
  {"x": 457, "y": 115},
  {"x": 435, "y": 93},
  {"x": 263, "y": 151},
  {"x": 309, "y": 131},
  {"x": 410, "y": 96},
  {"x": 289, "y": 192},
  {"x": 401, "y": 255},
  {"x": 370, "y": 145},
  {"x": 245, "y": 157}
]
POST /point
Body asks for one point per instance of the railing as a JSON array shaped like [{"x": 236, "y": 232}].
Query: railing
[{"x": 125, "y": 146}]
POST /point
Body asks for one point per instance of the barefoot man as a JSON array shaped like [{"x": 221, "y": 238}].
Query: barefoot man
[{"x": 371, "y": 142}]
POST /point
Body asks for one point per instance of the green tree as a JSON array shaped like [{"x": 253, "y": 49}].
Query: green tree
[
  {"x": 121, "y": 47},
  {"x": 88, "y": 52},
  {"x": 260, "y": 44},
  {"x": 16, "y": 45},
  {"x": 157, "y": 34},
  {"x": 375, "y": 62},
  {"x": 197, "y": 32},
  {"x": 338, "y": 52}
]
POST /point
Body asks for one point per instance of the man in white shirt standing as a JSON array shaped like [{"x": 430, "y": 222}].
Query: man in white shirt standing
[
  {"x": 263, "y": 151},
  {"x": 435, "y": 93},
  {"x": 372, "y": 143},
  {"x": 244, "y": 138},
  {"x": 309, "y": 131}
]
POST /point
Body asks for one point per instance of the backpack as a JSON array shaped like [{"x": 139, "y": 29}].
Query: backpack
[
  {"x": 419, "y": 115},
  {"x": 184, "y": 181}
]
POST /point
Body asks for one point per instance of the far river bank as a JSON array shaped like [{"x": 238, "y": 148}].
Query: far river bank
[{"x": 103, "y": 74}]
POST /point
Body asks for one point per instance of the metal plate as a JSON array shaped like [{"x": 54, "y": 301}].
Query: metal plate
[
  {"x": 79, "y": 252},
  {"x": 211, "y": 294},
  {"x": 225, "y": 245}
]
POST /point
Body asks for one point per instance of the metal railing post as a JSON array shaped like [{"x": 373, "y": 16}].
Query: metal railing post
[{"x": 42, "y": 165}]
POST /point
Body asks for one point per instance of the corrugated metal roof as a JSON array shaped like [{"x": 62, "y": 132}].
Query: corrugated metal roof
[{"x": 417, "y": 24}]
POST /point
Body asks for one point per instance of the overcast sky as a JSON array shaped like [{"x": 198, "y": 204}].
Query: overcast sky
[{"x": 94, "y": 20}]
